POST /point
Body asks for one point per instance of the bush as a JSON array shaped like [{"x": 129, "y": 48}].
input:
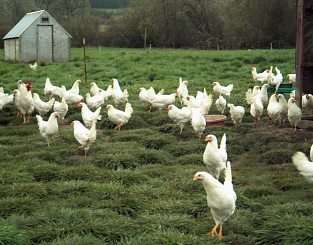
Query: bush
[{"x": 276, "y": 156}]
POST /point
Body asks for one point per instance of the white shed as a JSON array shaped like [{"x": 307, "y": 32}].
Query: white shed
[{"x": 37, "y": 36}]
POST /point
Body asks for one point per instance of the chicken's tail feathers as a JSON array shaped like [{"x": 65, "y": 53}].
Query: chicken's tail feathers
[
  {"x": 160, "y": 92},
  {"x": 249, "y": 96},
  {"x": 230, "y": 86},
  {"x": 228, "y": 182},
  {"x": 97, "y": 112},
  {"x": 223, "y": 143},
  {"x": 128, "y": 108},
  {"x": 92, "y": 132},
  {"x": 304, "y": 166}
]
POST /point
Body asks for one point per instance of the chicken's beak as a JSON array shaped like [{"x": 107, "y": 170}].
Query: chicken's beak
[
  {"x": 196, "y": 178},
  {"x": 207, "y": 140}
]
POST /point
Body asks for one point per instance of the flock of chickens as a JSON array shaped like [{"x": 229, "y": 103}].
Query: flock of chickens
[{"x": 221, "y": 197}]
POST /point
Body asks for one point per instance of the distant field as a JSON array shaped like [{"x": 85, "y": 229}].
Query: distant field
[{"x": 135, "y": 186}]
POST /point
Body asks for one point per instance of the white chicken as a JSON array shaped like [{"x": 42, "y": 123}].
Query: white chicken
[
  {"x": 75, "y": 87},
  {"x": 214, "y": 156},
  {"x": 84, "y": 136},
  {"x": 1, "y": 90},
  {"x": 284, "y": 104},
  {"x": 236, "y": 113},
  {"x": 261, "y": 77},
  {"x": 26, "y": 103},
  {"x": 180, "y": 116},
  {"x": 33, "y": 66},
  {"x": 89, "y": 116},
  {"x": 198, "y": 122},
  {"x": 72, "y": 98},
  {"x": 119, "y": 96},
  {"x": 5, "y": 99},
  {"x": 221, "y": 198},
  {"x": 48, "y": 128},
  {"x": 94, "y": 89},
  {"x": 263, "y": 93},
  {"x": 219, "y": 89},
  {"x": 49, "y": 89},
  {"x": 292, "y": 78},
  {"x": 146, "y": 95},
  {"x": 95, "y": 101},
  {"x": 220, "y": 104},
  {"x": 307, "y": 101},
  {"x": 61, "y": 108},
  {"x": 161, "y": 101},
  {"x": 294, "y": 113},
  {"x": 119, "y": 117},
  {"x": 275, "y": 80},
  {"x": 42, "y": 107},
  {"x": 256, "y": 105},
  {"x": 202, "y": 101},
  {"x": 274, "y": 109},
  {"x": 304, "y": 165},
  {"x": 182, "y": 90}
]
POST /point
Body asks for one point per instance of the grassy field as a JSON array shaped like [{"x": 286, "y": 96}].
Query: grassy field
[{"x": 135, "y": 186}]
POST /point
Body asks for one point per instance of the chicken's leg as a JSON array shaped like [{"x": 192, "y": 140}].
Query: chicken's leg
[
  {"x": 219, "y": 236},
  {"x": 213, "y": 231}
]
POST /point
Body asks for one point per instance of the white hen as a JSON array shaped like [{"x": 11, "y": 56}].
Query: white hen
[
  {"x": 275, "y": 80},
  {"x": 214, "y": 156},
  {"x": 48, "y": 128},
  {"x": 161, "y": 101},
  {"x": 292, "y": 78},
  {"x": 33, "y": 66},
  {"x": 182, "y": 90},
  {"x": 71, "y": 98},
  {"x": 180, "y": 116},
  {"x": 256, "y": 105},
  {"x": 51, "y": 90},
  {"x": 284, "y": 104},
  {"x": 5, "y": 99},
  {"x": 219, "y": 89},
  {"x": 83, "y": 135},
  {"x": 75, "y": 87},
  {"x": 236, "y": 113},
  {"x": 146, "y": 95},
  {"x": 304, "y": 165},
  {"x": 198, "y": 122},
  {"x": 119, "y": 117},
  {"x": 261, "y": 77},
  {"x": 294, "y": 113},
  {"x": 94, "y": 89},
  {"x": 61, "y": 108},
  {"x": 26, "y": 103},
  {"x": 42, "y": 107},
  {"x": 220, "y": 104},
  {"x": 274, "y": 108},
  {"x": 119, "y": 96},
  {"x": 221, "y": 198},
  {"x": 89, "y": 116}
]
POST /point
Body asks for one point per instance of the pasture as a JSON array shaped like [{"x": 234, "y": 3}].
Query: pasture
[{"x": 135, "y": 186}]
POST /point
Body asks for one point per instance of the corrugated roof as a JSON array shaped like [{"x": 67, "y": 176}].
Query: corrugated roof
[{"x": 23, "y": 24}]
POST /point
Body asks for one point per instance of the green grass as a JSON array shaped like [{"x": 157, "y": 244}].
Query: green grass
[{"x": 135, "y": 186}]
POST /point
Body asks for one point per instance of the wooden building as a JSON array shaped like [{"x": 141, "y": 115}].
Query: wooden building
[{"x": 37, "y": 37}]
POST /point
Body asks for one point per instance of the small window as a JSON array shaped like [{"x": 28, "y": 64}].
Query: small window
[{"x": 45, "y": 19}]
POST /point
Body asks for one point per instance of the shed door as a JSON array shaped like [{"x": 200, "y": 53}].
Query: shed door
[{"x": 44, "y": 43}]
